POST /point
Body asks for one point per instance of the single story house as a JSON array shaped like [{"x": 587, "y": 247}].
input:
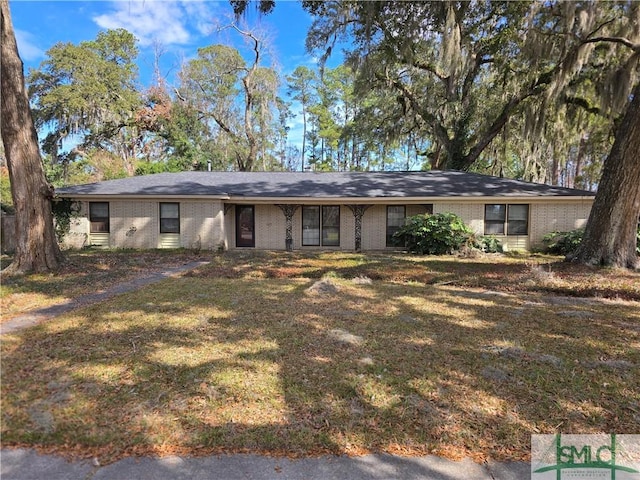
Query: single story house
[{"x": 301, "y": 210}]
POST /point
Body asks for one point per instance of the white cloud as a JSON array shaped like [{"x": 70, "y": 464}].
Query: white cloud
[
  {"x": 27, "y": 48},
  {"x": 200, "y": 15},
  {"x": 166, "y": 22}
]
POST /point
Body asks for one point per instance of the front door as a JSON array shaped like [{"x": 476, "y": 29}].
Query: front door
[{"x": 245, "y": 226}]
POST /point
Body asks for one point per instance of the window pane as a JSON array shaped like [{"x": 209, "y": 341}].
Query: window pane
[
  {"x": 331, "y": 216},
  {"x": 331, "y": 236},
  {"x": 495, "y": 212},
  {"x": 518, "y": 220},
  {"x": 518, "y": 212},
  {"x": 169, "y": 225},
  {"x": 493, "y": 228},
  {"x": 170, "y": 210},
  {"x": 395, "y": 216},
  {"x": 99, "y": 217},
  {"x": 395, "y": 219},
  {"x": 494, "y": 218},
  {"x": 310, "y": 225},
  {"x": 331, "y": 225},
  {"x": 169, "y": 218},
  {"x": 99, "y": 209}
]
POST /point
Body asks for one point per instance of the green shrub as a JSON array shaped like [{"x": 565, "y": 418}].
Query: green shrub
[
  {"x": 565, "y": 243},
  {"x": 489, "y": 244},
  {"x": 437, "y": 234},
  {"x": 562, "y": 243}
]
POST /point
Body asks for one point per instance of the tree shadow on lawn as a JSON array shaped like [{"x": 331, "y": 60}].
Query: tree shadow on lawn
[
  {"x": 83, "y": 274},
  {"x": 512, "y": 274},
  {"x": 385, "y": 267},
  {"x": 195, "y": 366}
]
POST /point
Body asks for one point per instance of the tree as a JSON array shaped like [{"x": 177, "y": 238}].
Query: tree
[
  {"x": 460, "y": 71},
  {"x": 36, "y": 246},
  {"x": 301, "y": 87},
  {"x": 235, "y": 96},
  {"x": 263, "y": 6},
  {"x": 282, "y": 133},
  {"x": 336, "y": 113},
  {"x": 89, "y": 90},
  {"x": 177, "y": 139},
  {"x": 441, "y": 62},
  {"x": 610, "y": 235}
]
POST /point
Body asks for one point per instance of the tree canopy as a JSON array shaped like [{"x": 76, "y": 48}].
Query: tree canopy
[
  {"x": 465, "y": 73},
  {"x": 88, "y": 91},
  {"x": 236, "y": 99}
]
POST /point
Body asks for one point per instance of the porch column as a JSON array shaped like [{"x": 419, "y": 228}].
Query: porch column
[
  {"x": 289, "y": 211},
  {"x": 358, "y": 212}
]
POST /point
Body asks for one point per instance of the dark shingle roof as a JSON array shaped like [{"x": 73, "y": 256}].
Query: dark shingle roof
[{"x": 321, "y": 185}]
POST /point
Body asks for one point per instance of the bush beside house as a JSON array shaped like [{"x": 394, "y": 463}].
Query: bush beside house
[{"x": 566, "y": 243}]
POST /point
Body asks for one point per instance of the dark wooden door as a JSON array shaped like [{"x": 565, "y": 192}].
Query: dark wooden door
[{"x": 245, "y": 226}]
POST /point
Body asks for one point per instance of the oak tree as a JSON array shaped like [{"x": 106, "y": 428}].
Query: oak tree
[{"x": 36, "y": 246}]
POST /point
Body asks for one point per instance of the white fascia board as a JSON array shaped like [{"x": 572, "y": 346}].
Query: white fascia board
[
  {"x": 113, "y": 198},
  {"x": 334, "y": 200},
  {"x": 402, "y": 200}
]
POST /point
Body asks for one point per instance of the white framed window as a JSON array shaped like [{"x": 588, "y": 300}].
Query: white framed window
[
  {"x": 170, "y": 217},
  {"x": 99, "y": 217},
  {"x": 506, "y": 219},
  {"x": 396, "y": 216}
]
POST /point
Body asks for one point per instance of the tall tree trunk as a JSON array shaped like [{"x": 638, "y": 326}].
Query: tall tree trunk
[
  {"x": 577, "y": 174},
  {"x": 36, "y": 246},
  {"x": 555, "y": 170},
  {"x": 304, "y": 136},
  {"x": 610, "y": 236}
]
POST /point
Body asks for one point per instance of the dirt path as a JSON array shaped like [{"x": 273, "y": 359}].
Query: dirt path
[{"x": 43, "y": 314}]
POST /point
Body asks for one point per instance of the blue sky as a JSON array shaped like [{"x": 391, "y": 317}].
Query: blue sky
[{"x": 180, "y": 27}]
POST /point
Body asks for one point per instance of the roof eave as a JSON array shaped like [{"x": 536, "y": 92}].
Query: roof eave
[
  {"x": 405, "y": 200},
  {"x": 332, "y": 200},
  {"x": 128, "y": 196}
]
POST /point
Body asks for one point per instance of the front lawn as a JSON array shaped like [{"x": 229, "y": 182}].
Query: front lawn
[
  {"x": 302, "y": 354},
  {"x": 84, "y": 272}
]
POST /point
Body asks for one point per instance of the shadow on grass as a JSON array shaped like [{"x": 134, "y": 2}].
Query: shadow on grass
[
  {"x": 201, "y": 365},
  {"x": 83, "y": 274},
  {"x": 534, "y": 273}
]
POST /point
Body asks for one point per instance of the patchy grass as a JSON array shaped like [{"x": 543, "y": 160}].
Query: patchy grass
[
  {"x": 535, "y": 273},
  {"x": 84, "y": 272},
  {"x": 302, "y": 354}
]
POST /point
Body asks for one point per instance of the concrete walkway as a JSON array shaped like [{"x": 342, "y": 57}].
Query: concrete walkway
[
  {"x": 36, "y": 316},
  {"x": 21, "y": 464}
]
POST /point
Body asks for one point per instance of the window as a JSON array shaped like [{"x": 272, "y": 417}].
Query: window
[
  {"x": 395, "y": 220},
  {"x": 99, "y": 217},
  {"x": 510, "y": 219},
  {"x": 310, "y": 225},
  {"x": 518, "y": 220},
  {"x": 321, "y": 225},
  {"x": 331, "y": 225},
  {"x": 169, "y": 218},
  {"x": 494, "y": 216}
]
